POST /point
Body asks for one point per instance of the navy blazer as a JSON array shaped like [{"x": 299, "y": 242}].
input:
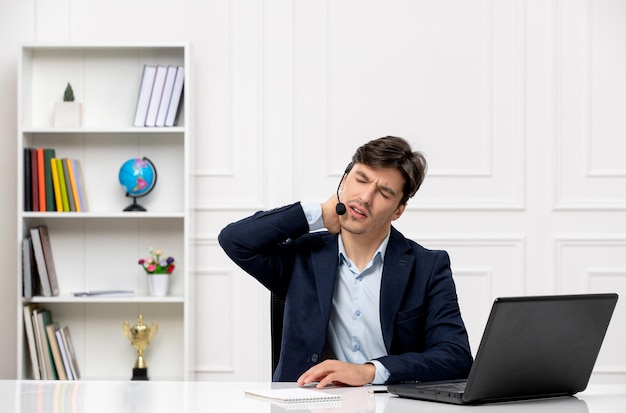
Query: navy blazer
[{"x": 421, "y": 322}]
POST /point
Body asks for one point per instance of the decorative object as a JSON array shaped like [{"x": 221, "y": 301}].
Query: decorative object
[
  {"x": 68, "y": 113},
  {"x": 156, "y": 264},
  {"x": 158, "y": 269},
  {"x": 140, "y": 336},
  {"x": 138, "y": 176},
  {"x": 158, "y": 285}
]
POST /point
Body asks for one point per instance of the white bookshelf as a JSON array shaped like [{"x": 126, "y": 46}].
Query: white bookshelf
[{"x": 99, "y": 249}]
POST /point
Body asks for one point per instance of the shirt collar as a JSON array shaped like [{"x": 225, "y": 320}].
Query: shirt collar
[{"x": 380, "y": 251}]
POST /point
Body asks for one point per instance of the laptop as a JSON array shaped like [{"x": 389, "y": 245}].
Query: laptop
[{"x": 532, "y": 347}]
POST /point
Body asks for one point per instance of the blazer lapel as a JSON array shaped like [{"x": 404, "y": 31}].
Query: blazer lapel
[
  {"x": 325, "y": 270},
  {"x": 396, "y": 273}
]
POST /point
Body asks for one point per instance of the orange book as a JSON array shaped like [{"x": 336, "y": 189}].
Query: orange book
[{"x": 41, "y": 177}]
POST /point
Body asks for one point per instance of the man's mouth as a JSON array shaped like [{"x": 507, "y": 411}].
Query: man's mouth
[{"x": 359, "y": 212}]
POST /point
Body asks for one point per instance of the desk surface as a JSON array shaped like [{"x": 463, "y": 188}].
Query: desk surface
[{"x": 155, "y": 397}]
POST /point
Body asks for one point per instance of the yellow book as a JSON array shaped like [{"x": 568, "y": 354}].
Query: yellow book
[
  {"x": 62, "y": 186},
  {"x": 74, "y": 191},
  {"x": 55, "y": 184}
]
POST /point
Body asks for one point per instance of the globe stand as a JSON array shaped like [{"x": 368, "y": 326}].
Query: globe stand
[{"x": 135, "y": 206}]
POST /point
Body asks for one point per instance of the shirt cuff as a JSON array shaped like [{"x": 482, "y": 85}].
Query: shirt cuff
[
  {"x": 382, "y": 374},
  {"x": 313, "y": 214}
]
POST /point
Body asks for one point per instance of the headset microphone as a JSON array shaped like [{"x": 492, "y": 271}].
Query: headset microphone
[{"x": 341, "y": 207}]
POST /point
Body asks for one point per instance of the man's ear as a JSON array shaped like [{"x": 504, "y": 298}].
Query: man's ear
[{"x": 399, "y": 212}]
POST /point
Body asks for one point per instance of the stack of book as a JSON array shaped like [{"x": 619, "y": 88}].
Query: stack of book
[
  {"x": 50, "y": 347},
  {"x": 160, "y": 92},
  {"x": 39, "y": 275},
  {"x": 51, "y": 183}
]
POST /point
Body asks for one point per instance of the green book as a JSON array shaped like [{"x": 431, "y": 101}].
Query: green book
[
  {"x": 45, "y": 319},
  {"x": 49, "y": 153},
  {"x": 60, "y": 171}
]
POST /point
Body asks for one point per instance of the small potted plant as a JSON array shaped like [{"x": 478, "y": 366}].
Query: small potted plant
[
  {"x": 159, "y": 270},
  {"x": 68, "y": 113}
]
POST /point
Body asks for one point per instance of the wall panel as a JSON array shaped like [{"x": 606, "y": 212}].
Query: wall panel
[
  {"x": 590, "y": 104},
  {"x": 385, "y": 76},
  {"x": 597, "y": 265}
]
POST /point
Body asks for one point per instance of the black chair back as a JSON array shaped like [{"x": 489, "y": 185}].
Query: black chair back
[{"x": 277, "y": 311}]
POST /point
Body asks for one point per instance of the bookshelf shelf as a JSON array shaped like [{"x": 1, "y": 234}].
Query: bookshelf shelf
[
  {"x": 98, "y": 249},
  {"x": 70, "y": 299},
  {"x": 103, "y": 215},
  {"x": 175, "y": 130}
]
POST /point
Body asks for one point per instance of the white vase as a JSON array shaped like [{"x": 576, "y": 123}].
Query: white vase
[
  {"x": 68, "y": 114},
  {"x": 158, "y": 284}
]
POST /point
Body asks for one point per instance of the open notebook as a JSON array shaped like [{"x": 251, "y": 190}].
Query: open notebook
[{"x": 532, "y": 347}]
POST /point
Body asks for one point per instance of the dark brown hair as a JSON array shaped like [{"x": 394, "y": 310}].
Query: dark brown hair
[{"x": 395, "y": 152}]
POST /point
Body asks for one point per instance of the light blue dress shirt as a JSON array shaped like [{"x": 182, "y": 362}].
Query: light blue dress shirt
[{"x": 354, "y": 331}]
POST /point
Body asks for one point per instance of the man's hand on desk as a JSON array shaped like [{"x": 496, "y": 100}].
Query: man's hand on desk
[{"x": 338, "y": 372}]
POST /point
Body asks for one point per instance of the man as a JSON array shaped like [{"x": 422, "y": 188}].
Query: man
[{"x": 363, "y": 304}]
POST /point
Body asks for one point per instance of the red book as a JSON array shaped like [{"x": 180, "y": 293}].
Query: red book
[
  {"x": 35, "y": 179},
  {"x": 41, "y": 180}
]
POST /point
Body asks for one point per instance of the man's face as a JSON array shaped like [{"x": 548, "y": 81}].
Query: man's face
[{"x": 372, "y": 197}]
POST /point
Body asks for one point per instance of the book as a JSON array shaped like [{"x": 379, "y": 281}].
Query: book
[
  {"x": 155, "y": 97},
  {"x": 34, "y": 175},
  {"x": 80, "y": 184},
  {"x": 58, "y": 200},
  {"x": 177, "y": 91},
  {"x": 104, "y": 293},
  {"x": 55, "y": 350},
  {"x": 38, "y": 344},
  {"x": 30, "y": 339},
  {"x": 40, "y": 260},
  {"x": 71, "y": 354},
  {"x": 27, "y": 277},
  {"x": 145, "y": 91},
  {"x": 49, "y": 259},
  {"x": 73, "y": 193},
  {"x": 68, "y": 185},
  {"x": 28, "y": 181},
  {"x": 48, "y": 153},
  {"x": 166, "y": 97},
  {"x": 64, "y": 356},
  {"x": 62, "y": 186},
  {"x": 30, "y": 276},
  {"x": 44, "y": 318},
  {"x": 297, "y": 395},
  {"x": 41, "y": 180}
]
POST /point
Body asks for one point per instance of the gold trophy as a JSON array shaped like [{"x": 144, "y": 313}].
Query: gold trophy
[{"x": 140, "y": 336}]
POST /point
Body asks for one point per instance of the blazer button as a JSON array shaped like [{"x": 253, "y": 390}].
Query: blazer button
[{"x": 314, "y": 358}]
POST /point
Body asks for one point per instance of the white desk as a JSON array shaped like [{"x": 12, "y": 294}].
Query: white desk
[{"x": 179, "y": 397}]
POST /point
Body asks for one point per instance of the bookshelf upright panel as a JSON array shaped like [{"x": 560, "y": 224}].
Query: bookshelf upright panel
[{"x": 98, "y": 249}]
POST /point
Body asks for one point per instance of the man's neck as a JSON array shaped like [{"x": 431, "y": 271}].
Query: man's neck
[{"x": 360, "y": 248}]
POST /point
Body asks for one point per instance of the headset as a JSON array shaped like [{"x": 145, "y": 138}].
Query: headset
[{"x": 341, "y": 207}]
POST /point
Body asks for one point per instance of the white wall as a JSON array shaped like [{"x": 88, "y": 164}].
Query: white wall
[{"x": 517, "y": 104}]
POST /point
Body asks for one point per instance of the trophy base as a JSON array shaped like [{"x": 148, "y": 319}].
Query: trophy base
[{"x": 140, "y": 373}]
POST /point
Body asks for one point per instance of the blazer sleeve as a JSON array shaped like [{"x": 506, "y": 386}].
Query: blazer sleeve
[{"x": 262, "y": 244}]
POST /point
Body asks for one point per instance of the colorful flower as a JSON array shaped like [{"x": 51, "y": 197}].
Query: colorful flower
[{"x": 156, "y": 264}]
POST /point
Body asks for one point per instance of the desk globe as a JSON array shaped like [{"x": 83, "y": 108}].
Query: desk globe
[{"x": 138, "y": 176}]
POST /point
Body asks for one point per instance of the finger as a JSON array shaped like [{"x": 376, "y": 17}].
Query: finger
[
  {"x": 315, "y": 373},
  {"x": 326, "y": 380}
]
